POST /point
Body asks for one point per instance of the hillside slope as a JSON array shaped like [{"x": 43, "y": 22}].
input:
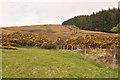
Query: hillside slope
[
  {"x": 53, "y": 31},
  {"x": 31, "y": 62}
]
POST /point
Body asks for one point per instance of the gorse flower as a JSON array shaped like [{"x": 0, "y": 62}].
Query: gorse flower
[{"x": 28, "y": 39}]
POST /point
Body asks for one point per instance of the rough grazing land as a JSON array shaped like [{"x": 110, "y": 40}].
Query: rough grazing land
[
  {"x": 53, "y": 31},
  {"x": 31, "y": 62}
]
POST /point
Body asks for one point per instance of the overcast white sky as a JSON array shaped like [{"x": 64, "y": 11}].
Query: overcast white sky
[{"x": 35, "y": 12}]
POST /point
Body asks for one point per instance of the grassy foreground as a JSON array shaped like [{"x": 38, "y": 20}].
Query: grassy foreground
[{"x": 31, "y": 62}]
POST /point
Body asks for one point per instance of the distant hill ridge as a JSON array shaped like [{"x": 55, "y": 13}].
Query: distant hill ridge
[
  {"x": 103, "y": 20},
  {"x": 32, "y": 26}
]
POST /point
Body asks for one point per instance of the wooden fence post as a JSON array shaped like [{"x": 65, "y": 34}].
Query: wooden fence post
[
  {"x": 64, "y": 47},
  {"x": 58, "y": 47},
  {"x": 114, "y": 60},
  {"x": 72, "y": 50},
  {"x": 85, "y": 52},
  {"x": 67, "y": 47},
  {"x": 96, "y": 56},
  {"x": 61, "y": 46},
  {"x": 77, "y": 50}
]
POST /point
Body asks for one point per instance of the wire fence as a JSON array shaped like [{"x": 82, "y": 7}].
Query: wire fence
[{"x": 85, "y": 49}]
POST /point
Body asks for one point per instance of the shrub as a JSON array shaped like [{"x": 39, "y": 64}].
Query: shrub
[
  {"x": 47, "y": 45},
  {"x": 9, "y": 47},
  {"x": 28, "y": 39}
]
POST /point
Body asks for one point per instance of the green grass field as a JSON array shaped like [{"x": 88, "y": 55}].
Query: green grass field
[{"x": 31, "y": 62}]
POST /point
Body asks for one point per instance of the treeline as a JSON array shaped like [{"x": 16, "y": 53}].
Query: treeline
[{"x": 103, "y": 20}]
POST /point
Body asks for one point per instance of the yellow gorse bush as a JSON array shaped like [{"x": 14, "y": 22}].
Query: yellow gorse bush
[
  {"x": 29, "y": 39},
  {"x": 9, "y": 47}
]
